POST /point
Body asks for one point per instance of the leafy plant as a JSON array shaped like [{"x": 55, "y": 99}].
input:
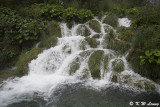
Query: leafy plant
[{"x": 151, "y": 56}]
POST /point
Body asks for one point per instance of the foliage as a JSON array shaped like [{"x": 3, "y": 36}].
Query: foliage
[
  {"x": 30, "y": 30},
  {"x": 70, "y": 14},
  {"x": 151, "y": 56}
]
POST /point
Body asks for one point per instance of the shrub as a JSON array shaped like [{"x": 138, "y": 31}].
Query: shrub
[
  {"x": 70, "y": 14},
  {"x": 151, "y": 56},
  {"x": 85, "y": 15}
]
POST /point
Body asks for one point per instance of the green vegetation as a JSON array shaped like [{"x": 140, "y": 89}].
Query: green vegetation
[
  {"x": 83, "y": 31},
  {"x": 24, "y": 59},
  {"x": 111, "y": 20},
  {"x": 151, "y": 56},
  {"x": 95, "y": 26},
  {"x": 92, "y": 42},
  {"x": 118, "y": 65},
  {"x": 95, "y": 62}
]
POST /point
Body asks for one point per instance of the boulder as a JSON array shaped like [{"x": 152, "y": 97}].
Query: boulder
[
  {"x": 83, "y": 31},
  {"x": 95, "y": 62},
  {"x": 95, "y": 25}
]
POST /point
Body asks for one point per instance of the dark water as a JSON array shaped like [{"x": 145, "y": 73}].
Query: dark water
[{"x": 77, "y": 95}]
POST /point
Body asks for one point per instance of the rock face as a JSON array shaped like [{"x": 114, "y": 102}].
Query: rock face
[
  {"x": 95, "y": 26},
  {"x": 83, "y": 31},
  {"x": 95, "y": 62}
]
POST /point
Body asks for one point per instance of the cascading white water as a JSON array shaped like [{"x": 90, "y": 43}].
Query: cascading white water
[{"x": 52, "y": 66}]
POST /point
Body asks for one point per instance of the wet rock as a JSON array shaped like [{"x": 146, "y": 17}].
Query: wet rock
[
  {"x": 83, "y": 45},
  {"x": 83, "y": 31},
  {"x": 115, "y": 77},
  {"x": 118, "y": 65},
  {"x": 70, "y": 24},
  {"x": 74, "y": 66},
  {"x": 85, "y": 73},
  {"x": 107, "y": 58},
  {"x": 92, "y": 42},
  {"x": 95, "y": 25},
  {"x": 95, "y": 62},
  {"x": 96, "y": 36}
]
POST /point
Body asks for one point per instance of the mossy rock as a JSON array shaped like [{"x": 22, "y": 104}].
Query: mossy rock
[
  {"x": 53, "y": 29},
  {"x": 107, "y": 29},
  {"x": 118, "y": 65},
  {"x": 83, "y": 45},
  {"x": 74, "y": 66},
  {"x": 85, "y": 73},
  {"x": 24, "y": 59},
  {"x": 111, "y": 20},
  {"x": 115, "y": 77},
  {"x": 66, "y": 49},
  {"x": 144, "y": 84},
  {"x": 48, "y": 42},
  {"x": 107, "y": 58},
  {"x": 92, "y": 42},
  {"x": 95, "y": 62},
  {"x": 70, "y": 24},
  {"x": 96, "y": 36},
  {"x": 85, "y": 53},
  {"x": 95, "y": 25},
  {"x": 149, "y": 86},
  {"x": 83, "y": 31}
]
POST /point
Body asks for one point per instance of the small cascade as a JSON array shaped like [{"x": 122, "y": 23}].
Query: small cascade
[{"x": 81, "y": 55}]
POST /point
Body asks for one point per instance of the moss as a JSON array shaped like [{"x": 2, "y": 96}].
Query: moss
[
  {"x": 119, "y": 46},
  {"x": 111, "y": 20},
  {"x": 6, "y": 73},
  {"x": 85, "y": 73},
  {"x": 118, "y": 65},
  {"x": 24, "y": 59},
  {"x": 96, "y": 36},
  {"x": 95, "y": 62},
  {"x": 48, "y": 42},
  {"x": 83, "y": 31},
  {"x": 85, "y": 53},
  {"x": 74, "y": 66},
  {"x": 53, "y": 29},
  {"x": 149, "y": 86},
  {"x": 70, "y": 24},
  {"x": 83, "y": 45},
  {"x": 92, "y": 42},
  {"x": 95, "y": 26},
  {"x": 115, "y": 77},
  {"x": 107, "y": 58}
]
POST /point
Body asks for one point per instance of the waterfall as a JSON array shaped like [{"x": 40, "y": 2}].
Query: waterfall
[{"x": 68, "y": 63}]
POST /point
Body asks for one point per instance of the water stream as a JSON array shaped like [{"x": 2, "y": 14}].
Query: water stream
[{"x": 50, "y": 82}]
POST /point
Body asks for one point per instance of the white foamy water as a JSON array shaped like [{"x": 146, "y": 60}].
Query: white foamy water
[
  {"x": 52, "y": 66},
  {"x": 124, "y": 22}
]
